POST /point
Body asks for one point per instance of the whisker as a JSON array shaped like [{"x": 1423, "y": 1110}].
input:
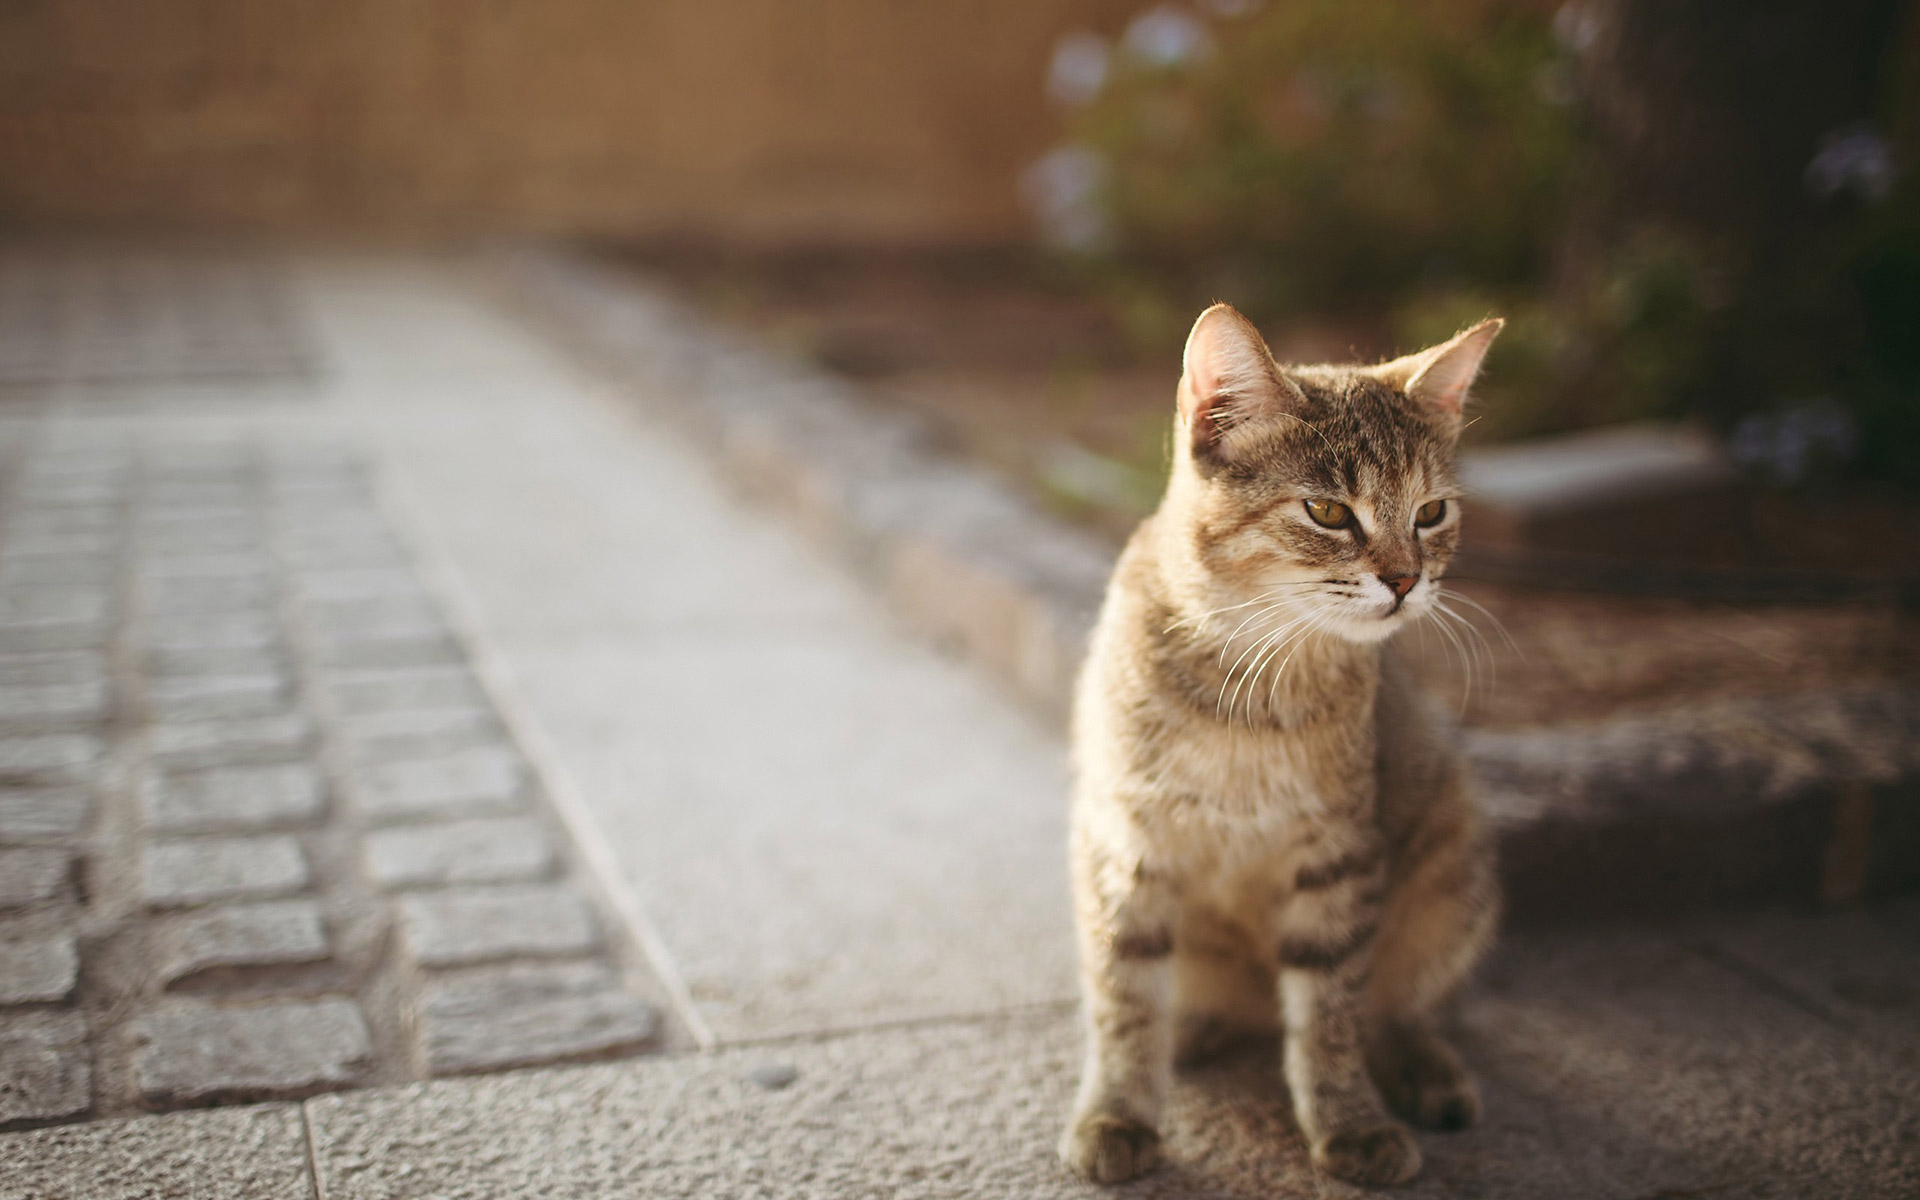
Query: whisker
[
  {"x": 1276, "y": 645},
  {"x": 1274, "y": 687},
  {"x": 1498, "y": 625},
  {"x": 1265, "y": 640}
]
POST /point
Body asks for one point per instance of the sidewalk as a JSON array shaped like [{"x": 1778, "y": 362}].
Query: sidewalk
[{"x": 425, "y": 583}]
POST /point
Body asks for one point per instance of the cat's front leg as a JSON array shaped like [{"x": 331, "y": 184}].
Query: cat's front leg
[
  {"x": 1126, "y": 946},
  {"x": 1324, "y": 954}
]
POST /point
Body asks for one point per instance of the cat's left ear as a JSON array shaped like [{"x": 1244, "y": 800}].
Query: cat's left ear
[{"x": 1438, "y": 378}]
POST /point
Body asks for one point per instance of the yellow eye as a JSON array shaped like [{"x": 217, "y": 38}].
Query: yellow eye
[
  {"x": 1330, "y": 513},
  {"x": 1431, "y": 513}
]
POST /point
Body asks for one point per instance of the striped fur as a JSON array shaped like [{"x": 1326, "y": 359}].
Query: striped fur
[{"x": 1268, "y": 830}]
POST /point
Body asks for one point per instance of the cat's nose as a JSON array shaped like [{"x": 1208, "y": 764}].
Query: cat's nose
[{"x": 1399, "y": 585}]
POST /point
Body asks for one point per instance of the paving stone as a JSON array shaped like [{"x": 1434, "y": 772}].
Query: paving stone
[
  {"x": 481, "y": 850},
  {"x": 517, "y": 1016},
  {"x": 254, "y": 1153},
  {"x": 193, "y": 697},
  {"x": 246, "y": 629},
  {"x": 174, "y": 598},
  {"x": 34, "y": 814},
  {"x": 482, "y": 924},
  {"x": 231, "y": 740},
  {"x": 95, "y": 569},
  {"x": 49, "y": 758},
  {"x": 68, "y": 668},
  {"x": 229, "y": 936},
  {"x": 55, "y": 703},
  {"x": 383, "y": 736},
  {"x": 34, "y": 875},
  {"x": 389, "y": 653},
  {"x": 196, "y": 870},
  {"x": 46, "y": 1069},
  {"x": 202, "y": 566},
  {"x": 190, "y": 1051},
  {"x": 378, "y": 583},
  {"x": 29, "y": 606},
  {"x": 33, "y": 544},
  {"x": 38, "y": 970},
  {"x": 406, "y": 691},
  {"x": 216, "y": 662},
  {"x": 234, "y": 799},
  {"x": 490, "y": 778}
]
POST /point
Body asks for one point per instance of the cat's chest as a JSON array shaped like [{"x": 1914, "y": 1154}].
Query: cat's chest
[{"x": 1269, "y": 773}]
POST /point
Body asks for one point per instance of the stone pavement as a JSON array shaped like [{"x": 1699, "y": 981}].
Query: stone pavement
[{"x": 432, "y": 711}]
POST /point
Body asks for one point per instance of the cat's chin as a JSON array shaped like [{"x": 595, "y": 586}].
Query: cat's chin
[{"x": 1368, "y": 630}]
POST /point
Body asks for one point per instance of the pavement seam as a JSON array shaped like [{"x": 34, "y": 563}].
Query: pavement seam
[
  {"x": 313, "y": 1153},
  {"x": 589, "y": 841}
]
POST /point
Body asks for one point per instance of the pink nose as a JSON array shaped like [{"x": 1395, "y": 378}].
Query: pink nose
[{"x": 1400, "y": 584}]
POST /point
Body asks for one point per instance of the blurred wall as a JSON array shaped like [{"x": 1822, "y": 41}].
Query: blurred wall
[{"x": 756, "y": 121}]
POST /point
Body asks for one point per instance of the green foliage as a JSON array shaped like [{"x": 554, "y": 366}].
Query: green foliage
[
  {"x": 1423, "y": 164},
  {"x": 1329, "y": 155}
]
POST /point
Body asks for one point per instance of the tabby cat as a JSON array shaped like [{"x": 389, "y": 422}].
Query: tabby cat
[{"x": 1268, "y": 829}]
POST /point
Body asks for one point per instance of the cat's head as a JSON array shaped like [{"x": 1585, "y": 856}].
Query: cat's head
[{"x": 1326, "y": 492}]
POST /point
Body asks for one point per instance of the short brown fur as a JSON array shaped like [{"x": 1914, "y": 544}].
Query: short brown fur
[{"x": 1262, "y": 800}]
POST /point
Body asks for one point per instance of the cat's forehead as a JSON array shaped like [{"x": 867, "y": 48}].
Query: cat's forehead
[{"x": 1356, "y": 435}]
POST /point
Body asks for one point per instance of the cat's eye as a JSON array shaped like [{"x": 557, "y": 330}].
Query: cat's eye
[
  {"x": 1431, "y": 513},
  {"x": 1330, "y": 513}
]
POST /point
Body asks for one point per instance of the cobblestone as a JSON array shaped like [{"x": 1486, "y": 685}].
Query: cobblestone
[
  {"x": 55, "y": 703},
  {"x": 235, "y": 799},
  {"x": 49, "y": 758},
  {"x": 216, "y": 618},
  {"x": 390, "y": 652},
  {"x": 191, "y": 1051},
  {"x": 37, "y": 970},
  {"x": 504, "y": 1017},
  {"x": 198, "y": 663},
  {"x": 46, "y": 1069},
  {"x": 34, "y": 875},
  {"x": 244, "y": 630},
  {"x": 234, "y": 936},
  {"x": 481, "y": 779},
  {"x": 57, "y": 668},
  {"x": 482, "y": 850},
  {"x": 193, "y": 871},
  {"x": 383, "y": 736},
  {"x": 201, "y": 697},
  {"x": 33, "y": 814},
  {"x": 231, "y": 740},
  {"x": 476, "y": 925},
  {"x": 406, "y": 691}
]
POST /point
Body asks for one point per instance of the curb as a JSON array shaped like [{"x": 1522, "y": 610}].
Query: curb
[{"x": 1808, "y": 799}]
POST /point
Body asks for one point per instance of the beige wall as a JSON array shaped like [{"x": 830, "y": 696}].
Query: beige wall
[{"x": 754, "y": 120}]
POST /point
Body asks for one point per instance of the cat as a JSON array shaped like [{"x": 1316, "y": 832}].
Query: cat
[{"x": 1268, "y": 829}]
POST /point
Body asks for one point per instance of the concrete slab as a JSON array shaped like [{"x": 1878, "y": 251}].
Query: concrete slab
[
  {"x": 1614, "y": 1066},
  {"x": 829, "y": 824},
  {"x": 233, "y": 1154}
]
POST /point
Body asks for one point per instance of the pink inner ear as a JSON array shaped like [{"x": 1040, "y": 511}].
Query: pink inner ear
[{"x": 1443, "y": 383}]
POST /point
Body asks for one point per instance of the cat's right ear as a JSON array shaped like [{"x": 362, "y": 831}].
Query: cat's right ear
[{"x": 1228, "y": 377}]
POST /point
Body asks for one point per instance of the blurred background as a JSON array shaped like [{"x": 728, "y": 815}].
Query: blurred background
[
  {"x": 1686, "y": 211},
  {"x": 393, "y": 686},
  {"x": 1696, "y": 449}
]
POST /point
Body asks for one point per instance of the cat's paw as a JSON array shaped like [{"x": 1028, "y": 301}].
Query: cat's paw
[
  {"x": 1108, "y": 1149},
  {"x": 1370, "y": 1156},
  {"x": 1425, "y": 1082},
  {"x": 1444, "y": 1103}
]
